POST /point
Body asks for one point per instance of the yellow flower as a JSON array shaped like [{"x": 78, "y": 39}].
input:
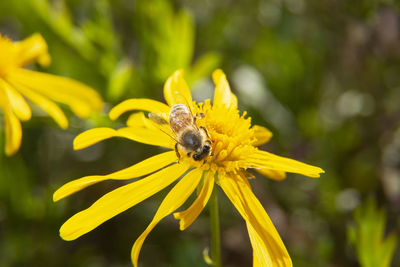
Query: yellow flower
[
  {"x": 17, "y": 83},
  {"x": 234, "y": 143}
]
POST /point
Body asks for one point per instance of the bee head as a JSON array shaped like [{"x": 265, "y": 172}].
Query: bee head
[{"x": 203, "y": 153}]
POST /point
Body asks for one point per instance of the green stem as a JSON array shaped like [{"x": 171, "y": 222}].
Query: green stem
[{"x": 215, "y": 233}]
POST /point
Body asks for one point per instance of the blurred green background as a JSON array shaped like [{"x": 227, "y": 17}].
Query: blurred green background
[{"x": 324, "y": 76}]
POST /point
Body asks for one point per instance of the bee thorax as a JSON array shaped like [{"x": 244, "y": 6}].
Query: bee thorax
[{"x": 192, "y": 141}]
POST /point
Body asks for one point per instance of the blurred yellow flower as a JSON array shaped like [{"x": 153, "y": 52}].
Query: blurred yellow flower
[
  {"x": 17, "y": 83},
  {"x": 234, "y": 151}
]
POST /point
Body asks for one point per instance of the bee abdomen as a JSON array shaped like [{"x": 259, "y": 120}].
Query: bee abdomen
[{"x": 180, "y": 117}]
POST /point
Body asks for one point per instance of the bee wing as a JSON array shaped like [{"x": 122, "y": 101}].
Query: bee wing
[
  {"x": 159, "y": 118},
  {"x": 161, "y": 122}
]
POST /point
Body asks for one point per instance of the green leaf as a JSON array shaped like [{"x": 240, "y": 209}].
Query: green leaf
[
  {"x": 367, "y": 236},
  {"x": 119, "y": 80}
]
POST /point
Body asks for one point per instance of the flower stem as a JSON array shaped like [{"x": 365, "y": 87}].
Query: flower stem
[{"x": 215, "y": 233}]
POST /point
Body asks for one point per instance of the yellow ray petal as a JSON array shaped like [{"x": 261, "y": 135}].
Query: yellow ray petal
[
  {"x": 136, "y": 120},
  {"x": 142, "y": 168},
  {"x": 261, "y": 256},
  {"x": 139, "y": 120},
  {"x": 118, "y": 201},
  {"x": 93, "y": 136},
  {"x": 262, "y": 134},
  {"x": 13, "y": 133},
  {"x": 272, "y": 174},
  {"x": 234, "y": 101},
  {"x": 13, "y": 127},
  {"x": 142, "y": 135},
  {"x": 263, "y": 159},
  {"x": 266, "y": 242},
  {"x": 175, "y": 198},
  {"x": 138, "y": 104},
  {"x": 147, "y": 136},
  {"x": 43, "y": 102},
  {"x": 176, "y": 90},
  {"x": 17, "y": 102},
  {"x": 31, "y": 49},
  {"x": 188, "y": 216},
  {"x": 50, "y": 83},
  {"x": 80, "y": 98},
  {"x": 223, "y": 95}
]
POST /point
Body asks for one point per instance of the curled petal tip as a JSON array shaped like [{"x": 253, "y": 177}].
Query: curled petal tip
[
  {"x": 217, "y": 74},
  {"x": 56, "y": 196},
  {"x": 65, "y": 234},
  {"x": 180, "y": 71},
  {"x": 177, "y": 216},
  {"x": 137, "y": 104}
]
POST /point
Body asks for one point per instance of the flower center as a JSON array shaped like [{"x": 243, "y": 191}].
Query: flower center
[
  {"x": 7, "y": 55},
  {"x": 230, "y": 134}
]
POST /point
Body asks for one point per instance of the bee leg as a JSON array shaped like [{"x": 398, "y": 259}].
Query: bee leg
[
  {"x": 205, "y": 130},
  {"x": 177, "y": 152},
  {"x": 210, "y": 142}
]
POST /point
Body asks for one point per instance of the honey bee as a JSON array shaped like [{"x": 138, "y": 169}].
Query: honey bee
[{"x": 190, "y": 139}]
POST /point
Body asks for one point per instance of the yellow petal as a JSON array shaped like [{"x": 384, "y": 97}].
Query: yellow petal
[
  {"x": 139, "y": 120},
  {"x": 50, "y": 83},
  {"x": 17, "y": 102},
  {"x": 223, "y": 95},
  {"x": 263, "y": 159},
  {"x": 272, "y": 174},
  {"x": 147, "y": 136},
  {"x": 176, "y": 90},
  {"x": 142, "y": 168},
  {"x": 13, "y": 127},
  {"x": 13, "y": 133},
  {"x": 188, "y": 216},
  {"x": 31, "y": 49},
  {"x": 138, "y": 104},
  {"x": 142, "y": 135},
  {"x": 262, "y": 134},
  {"x": 175, "y": 198},
  {"x": 268, "y": 247},
  {"x": 93, "y": 136},
  {"x": 234, "y": 101},
  {"x": 261, "y": 256},
  {"x": 43, "y": 102},
  {"x": 118, "y": 201},
  {"x": 136, "y": 119},
  {"x": 80, "y": 98}
]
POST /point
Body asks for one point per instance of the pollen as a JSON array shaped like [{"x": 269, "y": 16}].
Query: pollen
[{"x": 231, "y": 137}]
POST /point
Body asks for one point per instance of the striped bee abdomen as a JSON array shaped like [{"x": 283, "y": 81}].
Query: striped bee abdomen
[{"x": 180, "y": 118}]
